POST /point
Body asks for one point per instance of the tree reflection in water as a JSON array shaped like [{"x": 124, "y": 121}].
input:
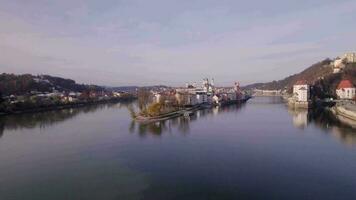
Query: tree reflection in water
[
  {"x": 49, "y": 118},
  {"x": 182, "y": 124},
  {"x": 325, "y": 120}
]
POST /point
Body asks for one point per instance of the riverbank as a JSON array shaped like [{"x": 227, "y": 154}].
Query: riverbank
[
  {"x": 166, "y": 116},
  {"x": 346, "y": 110},
  {"x": 186, "y": 111},
  {"x": 64, "y": 106},
  {"x": 299, "y": 104}
]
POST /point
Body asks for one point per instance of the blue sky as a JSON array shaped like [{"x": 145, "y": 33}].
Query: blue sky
[{"x": 144, "y": 42}]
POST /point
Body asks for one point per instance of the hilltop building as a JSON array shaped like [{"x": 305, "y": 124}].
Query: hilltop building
[
  {"x": 345, "y": 90},
  {"x": 301, "y": 91},
  {"x": 350, "y": 57},
  {"x": 339, "y": 63}
]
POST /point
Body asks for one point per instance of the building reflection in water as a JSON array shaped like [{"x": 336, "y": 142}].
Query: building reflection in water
[
  {"x": 300, "y": 118},
  {"x": 181, "y": 124},
  {"x": 342, "y": 129}
]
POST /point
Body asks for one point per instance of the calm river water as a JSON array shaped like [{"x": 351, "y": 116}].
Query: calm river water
[{"x": 260, "y": 150}]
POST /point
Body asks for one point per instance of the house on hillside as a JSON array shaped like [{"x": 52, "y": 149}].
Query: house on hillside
[
  {"x": 345, "y": 90},
  {"x": 301, "y": 91},
  {"x": 339, "y": 64}
]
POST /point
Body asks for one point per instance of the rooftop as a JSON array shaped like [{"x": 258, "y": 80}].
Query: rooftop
[
  {"x": 301, "y": 82},
  {"x": 345, "y": 84}
]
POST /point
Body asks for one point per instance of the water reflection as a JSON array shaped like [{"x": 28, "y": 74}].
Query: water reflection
[
  {"x": 49, "y": 118},
  {"x": 322, "y": 119},
  {"x": 182, "y": 124},
  {"x": 325, "y": 120},
  {"x": 300, "y": 117}
]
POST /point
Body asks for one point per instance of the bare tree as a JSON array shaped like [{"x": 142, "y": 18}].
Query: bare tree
[{"x": 143, "y": 99}]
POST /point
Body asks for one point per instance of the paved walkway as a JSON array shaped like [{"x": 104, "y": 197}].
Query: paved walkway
[{"x": 350, "y": 106}]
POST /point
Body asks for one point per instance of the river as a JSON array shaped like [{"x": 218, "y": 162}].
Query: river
[{"x": 259, "y": 150}]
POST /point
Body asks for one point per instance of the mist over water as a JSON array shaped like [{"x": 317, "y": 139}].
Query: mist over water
[{"x": 259, "y": 150}]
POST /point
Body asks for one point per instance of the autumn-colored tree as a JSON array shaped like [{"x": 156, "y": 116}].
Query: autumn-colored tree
[{"x": 155, "y": 109}]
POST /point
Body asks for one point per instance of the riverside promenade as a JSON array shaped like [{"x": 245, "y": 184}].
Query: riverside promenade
[{"x": 346, "y": 112}]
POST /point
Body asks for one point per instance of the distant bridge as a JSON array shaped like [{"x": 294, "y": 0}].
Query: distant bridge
[{"x": 257, "y": 92}]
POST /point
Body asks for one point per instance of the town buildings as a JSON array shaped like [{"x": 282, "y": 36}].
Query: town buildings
[
  {"x": 345, "y": 90},
  {"x": 206, "y": 93},
  {"x": 186, "y": 99},
  {"x": 193, "y": 95}
]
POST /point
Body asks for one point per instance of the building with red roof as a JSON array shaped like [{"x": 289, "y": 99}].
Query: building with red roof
[{"x": 345, "y": 90}]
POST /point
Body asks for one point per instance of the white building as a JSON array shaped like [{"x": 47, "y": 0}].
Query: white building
[
  {"x": 345, "y": 90},
  {"x": 338, "y": 65},
  {"x": 202, "y": 97},
  {"x": 301, "y": 91},
  {"x": 350, "y": 57},
  {"x": 117, "y": 94},
  {"x": 201, "y": 94},
  {"x": 157, "y": 97},
  {"x": 216, "y": 99}
]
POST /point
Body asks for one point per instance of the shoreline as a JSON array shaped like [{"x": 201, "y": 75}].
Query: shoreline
[
  {"x": 64, "y": 106},
  {"x": 344, "y": 112},
  {"x": 187, "y": 111},
  {"x": 166, "y": 116}
]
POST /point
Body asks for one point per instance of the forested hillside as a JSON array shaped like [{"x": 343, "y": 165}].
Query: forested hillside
[
  {"x": 311, "y": 74},
  {"x": 319, "y": 74},
  {"x": 21, "y": 84}
]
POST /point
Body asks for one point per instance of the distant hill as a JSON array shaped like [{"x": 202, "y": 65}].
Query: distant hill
[
  {"x": 310, "y": 74},
  {"x": 135, "y": 88},
  {"x": 25, "y": 83},
  {"x": 319, "y": 74}
]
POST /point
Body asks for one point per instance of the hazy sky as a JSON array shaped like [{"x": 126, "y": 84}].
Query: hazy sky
[{"x": 142, "y": 42}]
